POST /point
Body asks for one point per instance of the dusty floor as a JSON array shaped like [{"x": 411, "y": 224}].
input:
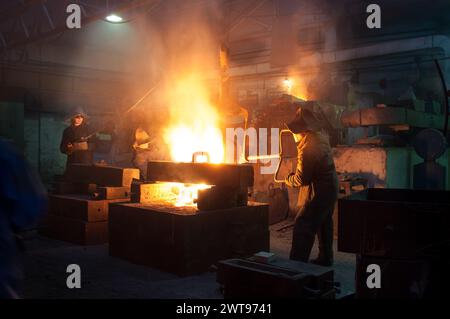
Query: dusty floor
[{"x": 107, "y": 277}]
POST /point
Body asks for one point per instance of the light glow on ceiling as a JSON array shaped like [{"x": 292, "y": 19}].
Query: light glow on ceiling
[{"x": 114, "y": 18}]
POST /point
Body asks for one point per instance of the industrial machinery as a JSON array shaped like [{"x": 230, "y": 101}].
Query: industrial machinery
[{"x": 381, "y": 157}]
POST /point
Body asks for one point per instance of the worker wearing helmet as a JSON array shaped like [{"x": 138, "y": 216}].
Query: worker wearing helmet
[
  {"x": 316, "y": 177},
  {"x": 76, "y": 141}
]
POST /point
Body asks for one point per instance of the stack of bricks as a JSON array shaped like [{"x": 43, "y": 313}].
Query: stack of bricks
[{"x": 79, "y": 206}]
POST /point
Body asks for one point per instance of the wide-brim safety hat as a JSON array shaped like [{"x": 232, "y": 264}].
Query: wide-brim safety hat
[{"x": 304, "y": 120}]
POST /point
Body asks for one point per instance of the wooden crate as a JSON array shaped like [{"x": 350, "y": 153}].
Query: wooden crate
[{"x": 183, "y": 240}]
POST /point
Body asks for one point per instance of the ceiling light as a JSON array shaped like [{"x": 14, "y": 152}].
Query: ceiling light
[{"x": 114, "y": 18}]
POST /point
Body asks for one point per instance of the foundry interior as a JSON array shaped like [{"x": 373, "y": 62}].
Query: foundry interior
[{"x": 155, "y": 149}]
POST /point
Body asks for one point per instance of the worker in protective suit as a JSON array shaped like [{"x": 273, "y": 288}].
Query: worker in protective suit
[
  {"x": 76, "y": 141},
  {"x": 317, "y": 179}
]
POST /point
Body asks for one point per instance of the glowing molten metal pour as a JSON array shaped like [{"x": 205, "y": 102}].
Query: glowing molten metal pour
[{"x": 187, "y": 194}]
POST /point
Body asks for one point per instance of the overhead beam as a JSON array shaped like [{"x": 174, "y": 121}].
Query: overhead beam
[
  {"x": 62, "y": 28},
  {"x": 244, "y": 14}
]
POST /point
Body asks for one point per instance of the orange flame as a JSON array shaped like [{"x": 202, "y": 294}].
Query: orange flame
[
  {"x": 193, "y": 129},
  {"x": 296, "y": 86},
  {"x": 194, "y": 125}
]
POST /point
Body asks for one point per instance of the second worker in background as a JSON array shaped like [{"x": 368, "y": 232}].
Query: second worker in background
[{"x": 76, "y": 141}]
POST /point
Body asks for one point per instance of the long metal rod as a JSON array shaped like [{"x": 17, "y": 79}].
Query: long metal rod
[
  {"x": 262, "y": 157},
  {"x": 129, "y": 109},
  {"x": 274, "y": 156},
  {"x": 142, "y": 98}
]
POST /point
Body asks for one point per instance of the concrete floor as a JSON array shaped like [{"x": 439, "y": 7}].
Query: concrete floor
[{"x": 103, "y": 276}]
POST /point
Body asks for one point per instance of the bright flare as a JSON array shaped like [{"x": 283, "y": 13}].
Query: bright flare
[
  {"x": 193, "y": 129},
  {"x": 194, "y": 122},
  {"x": 296, "y": 86},
  {"x": 288, "y": 85},
  {"x": 185, "y": 141}
]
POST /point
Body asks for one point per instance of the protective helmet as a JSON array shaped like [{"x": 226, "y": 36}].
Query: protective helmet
[
  {"x": 76, "y": 112},
  {"x": 304, "y": 120}
]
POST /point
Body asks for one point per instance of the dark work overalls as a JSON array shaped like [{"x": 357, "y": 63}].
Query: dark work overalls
[{"x": 316, "y": 176}]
